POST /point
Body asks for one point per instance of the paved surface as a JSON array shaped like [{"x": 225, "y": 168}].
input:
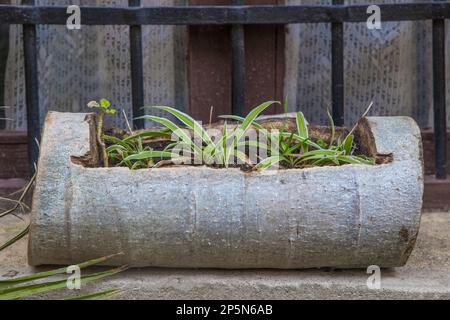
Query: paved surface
[{"x": 426, "y": 275}]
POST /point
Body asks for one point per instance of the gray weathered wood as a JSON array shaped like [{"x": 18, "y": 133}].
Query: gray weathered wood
[{"x": 348, "y": 216}]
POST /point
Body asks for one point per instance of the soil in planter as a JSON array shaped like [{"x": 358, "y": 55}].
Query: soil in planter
[{"x": 363, "y": 141}]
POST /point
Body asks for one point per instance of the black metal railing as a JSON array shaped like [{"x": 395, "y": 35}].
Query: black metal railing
[{"x": 236, "y": 15}]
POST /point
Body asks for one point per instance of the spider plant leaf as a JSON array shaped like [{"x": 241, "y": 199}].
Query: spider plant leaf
[
  {"x": 218, "y": 151},
  {"x": 111, "y": 138},
  {"x": 173, "y": 128},
  {"x": 269, "y": 161},
  {"x": 367, "y": 160},
  {"x": 241, "y": 119},
  {"x": 170, "y": 146},
  {"x": 322, "y": 162},
  {"x": 149, "y": 154},
  {"x": 103, "y": 295},
  {"x": 223, "y": 142},
  {"x": 350, "y": 160},
  {"x": 115, "y": 147},
  {"x": 13, "y": 282},
  {"x": 117, "y": 141},
  {"x": 310, "y": 158},
  {"x": 289, "y": 140},
  {"x": 189, "y": 121},
  {"x": 208, "y": 153},
  {"x": 245, "y": 125},
  {"x": 242, "y": 156},
  {"x": 249, "y": 119},
  {"x": 182, "y": 147},
  {"x": 355, "y": 160},
  {"x": 293, "y": 148},
  {"x": 229, "y": 149},
  {"x": 347, "y": 145},
  {"x": 31, "y": 289},
  {"x": 136, "y": 165},
  {"x": 322, "y": 153},
  {"x": 177, "y": 161},
  {"x": 286, "y": 105},
  {"x": 147, "y": 134},
  {"x": 286, "y": 111},
  {"x": 333, "y": 129},
  {"x": 306, "y": 141},
  {"x": 302, "y": 126}
]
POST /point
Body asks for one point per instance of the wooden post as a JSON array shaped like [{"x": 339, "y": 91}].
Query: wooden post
[{"x": 210, "y": 65}]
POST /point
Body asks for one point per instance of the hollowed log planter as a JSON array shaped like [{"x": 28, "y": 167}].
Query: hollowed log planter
[{"x": 344, "y": 217}]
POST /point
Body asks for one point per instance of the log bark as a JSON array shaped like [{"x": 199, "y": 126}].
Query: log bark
[{"x": 198, "y": 217}]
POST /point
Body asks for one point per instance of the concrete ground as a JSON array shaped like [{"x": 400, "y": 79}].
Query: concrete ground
[{"x": 425, "y": 276}]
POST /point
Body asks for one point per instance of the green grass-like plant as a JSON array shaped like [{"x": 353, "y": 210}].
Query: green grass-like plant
[
  {"x": 209, "y": 151},
  {"x": 131, "y": 152},
  {"x": 295, "y": 149},
  {"x": 26, "y": 286}
]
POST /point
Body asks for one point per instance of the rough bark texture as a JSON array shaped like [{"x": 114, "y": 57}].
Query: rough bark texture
[{"x": 349, "y": 216}]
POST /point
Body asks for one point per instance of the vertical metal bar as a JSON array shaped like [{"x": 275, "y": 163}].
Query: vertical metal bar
[
  {"x": 137, "y": 76},
  {"x": 31, "y": 90},
  {"x": 337, "y": 69},
  {"x": 440, "y": 117},
  {"x": 4, "y": 47},
  {"x": 238, "y": 67}
]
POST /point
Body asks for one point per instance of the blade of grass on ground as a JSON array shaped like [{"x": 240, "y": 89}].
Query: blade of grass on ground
[
  {"x": 45, "y": 274},
  {"x": 13, "y": 240},
  {"x": 32, "y": 289}
]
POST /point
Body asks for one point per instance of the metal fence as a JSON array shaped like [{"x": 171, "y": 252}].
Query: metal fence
[{"x": 236, "y": 15}]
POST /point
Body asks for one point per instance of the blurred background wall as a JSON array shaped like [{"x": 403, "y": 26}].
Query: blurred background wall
[
  {"x": 76, "y": 66},
  {"x": 391, "y": 66}
]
